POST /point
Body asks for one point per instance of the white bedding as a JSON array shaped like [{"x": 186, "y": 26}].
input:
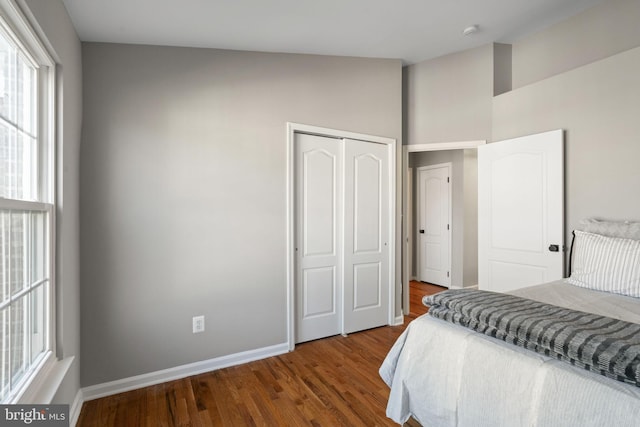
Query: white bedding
[
  {"x": 447, "y": 375},
  {"x": 566, "y": 295}
]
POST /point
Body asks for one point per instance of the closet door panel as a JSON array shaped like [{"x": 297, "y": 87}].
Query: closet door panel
[
  {"x": 318, "y": 190},
  {"x": 366, "y": 234}
]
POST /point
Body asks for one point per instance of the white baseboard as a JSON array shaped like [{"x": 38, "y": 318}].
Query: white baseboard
[
  {"x": 464, "y": 287},
  {"x": 75, "y": 408},
  {"x": 399, "y": 320},
  {"x": 152, "y": 378}
]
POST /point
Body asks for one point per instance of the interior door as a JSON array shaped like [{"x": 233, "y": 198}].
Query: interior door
[
  {"x": 520, "y": 212},
  {"x": 366, "y": 236},
  {"x": 434, "y": 225},
  {"x": 318, "y": 183}
]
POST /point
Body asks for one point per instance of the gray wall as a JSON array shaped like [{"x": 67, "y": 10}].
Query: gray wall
[
  {"x": 582, "y": 75},
  {"x": 604, "y": 30},
  {"x": 470, "y": 226},
  {"x": 54, "y": 22},
  {"x": 502, "y": 68},
  {"x": 598, "y": 106},
  {"x": 449, "y": 98},
  {"x": 183, "y": 193}
]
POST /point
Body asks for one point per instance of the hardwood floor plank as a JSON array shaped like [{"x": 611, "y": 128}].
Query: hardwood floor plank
[{"x": 417, "y": 290}]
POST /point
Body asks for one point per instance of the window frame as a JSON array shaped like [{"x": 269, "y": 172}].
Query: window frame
[{"x": 18, "y": 26}]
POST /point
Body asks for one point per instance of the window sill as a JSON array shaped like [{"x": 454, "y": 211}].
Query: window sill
[{"x": 46, "y": 382}]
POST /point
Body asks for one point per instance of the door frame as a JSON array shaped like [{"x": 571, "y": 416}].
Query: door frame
[
  {"x": 419, "y": 254},
  {"x": 292, "y": 129},
  {"x": 406, "y": 239}
]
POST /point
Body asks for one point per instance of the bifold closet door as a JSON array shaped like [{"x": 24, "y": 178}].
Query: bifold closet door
[{"x": 342, "y": 232}]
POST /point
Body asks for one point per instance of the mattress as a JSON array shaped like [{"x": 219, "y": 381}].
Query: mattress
[
  {"x": 447, "y": 375},
  {"x": 564, "y": 294}
]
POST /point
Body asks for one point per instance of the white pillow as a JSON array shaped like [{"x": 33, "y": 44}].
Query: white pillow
[
  {"x": 623, "y": 229},
  {"x": 609, "y": 264}
]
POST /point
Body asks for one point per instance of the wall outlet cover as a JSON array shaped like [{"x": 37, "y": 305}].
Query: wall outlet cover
[{"x": 198, "y": 324}]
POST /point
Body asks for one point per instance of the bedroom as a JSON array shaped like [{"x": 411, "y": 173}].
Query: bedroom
[{"x": 129, "y": 282}]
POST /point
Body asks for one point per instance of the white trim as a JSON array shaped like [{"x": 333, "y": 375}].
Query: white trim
[
  {"x": 399, "y": 320},
  {"x": 419, "y": 257},
  {"x": 179, "y": 372},
  {"x": 464, "y": 287},
  {"x": 335, "y": 133},
  {"x": 46, "y": 381},
  {"x": 340, "y": 235},
  {"x": 25, "y": 36},
  {"x": 25, "y": 205},
  {"x": 292, "y": 128},
  {"x": 75, "y": 408},
  {"x": 439, "y": 146},
  {"x": 407, "y": 241},
  {"x": 22, "y": 28},
  {"x": 393, "y": 204},
  {"x": 290, "y": 235}
]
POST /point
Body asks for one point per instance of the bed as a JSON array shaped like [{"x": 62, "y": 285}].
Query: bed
[{"x": 444, "y": 374}]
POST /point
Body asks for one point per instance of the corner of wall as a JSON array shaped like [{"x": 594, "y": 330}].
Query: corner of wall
[
  {"x": 502, "y": 68},
  {"x": 601, "y": 31},
  {"x": 54, "y": 25}
]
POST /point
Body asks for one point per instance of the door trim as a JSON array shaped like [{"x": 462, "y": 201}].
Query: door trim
[
  {"x": 439, "y": 146},
  {"x": 292, "y": 129},
  {"x": 449, "y": 167}
]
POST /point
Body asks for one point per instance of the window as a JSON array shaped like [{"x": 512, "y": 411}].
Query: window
[{"x": 26, "y": 205}]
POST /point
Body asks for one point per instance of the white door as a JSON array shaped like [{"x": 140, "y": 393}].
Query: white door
[
  {"x": 318, "y": 192},
  {"x": 434, "y": 224},
  {"x": 342, "y": 236},
  {"x": 366, "y": 236},
  {"x": 520, "y": 212}
]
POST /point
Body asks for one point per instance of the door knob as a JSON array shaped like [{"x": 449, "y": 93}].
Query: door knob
[
  {"x": 421, "y": 231},
  {"x": 554, "y": 248}
]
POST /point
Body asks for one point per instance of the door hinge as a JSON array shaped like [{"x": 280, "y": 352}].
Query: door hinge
[
  {"x": 447, "y": 274},
  {"x": 447, "y": 179},
  {"x": 447, "y": 226}
]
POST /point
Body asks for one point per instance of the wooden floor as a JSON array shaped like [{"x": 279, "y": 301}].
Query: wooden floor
[
  {"x": 417, "y": 290},
  {"x": 328, "y": 382}
]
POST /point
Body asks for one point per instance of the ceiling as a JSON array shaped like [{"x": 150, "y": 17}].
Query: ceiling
[{"x": 411, "y": 30}]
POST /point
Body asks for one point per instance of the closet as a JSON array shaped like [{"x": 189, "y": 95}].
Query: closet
[{"x": 341, "y": 235}]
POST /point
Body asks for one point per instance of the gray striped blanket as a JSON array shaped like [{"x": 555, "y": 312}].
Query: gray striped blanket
[{"x": 600, "y": 344}]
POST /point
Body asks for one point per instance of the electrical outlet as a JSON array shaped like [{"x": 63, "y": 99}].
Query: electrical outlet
[{"x": 198, "y": 324}]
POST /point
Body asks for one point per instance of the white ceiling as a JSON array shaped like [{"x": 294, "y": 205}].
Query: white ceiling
[{"x": 411, "y": 30}]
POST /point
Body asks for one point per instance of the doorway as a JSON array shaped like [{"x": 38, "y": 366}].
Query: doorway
[{"x": 464, "y": 238}]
